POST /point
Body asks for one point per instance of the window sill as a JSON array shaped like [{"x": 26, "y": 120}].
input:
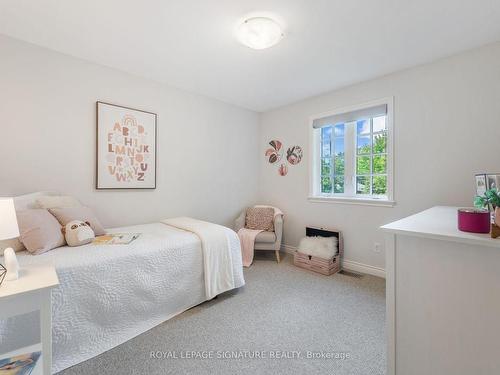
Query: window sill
[{"x": 355, "y": 201}]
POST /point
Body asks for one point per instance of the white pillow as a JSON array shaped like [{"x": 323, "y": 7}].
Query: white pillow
[
  {"x": 62, "y": 201},
  {"x": 321, "y": 247}
]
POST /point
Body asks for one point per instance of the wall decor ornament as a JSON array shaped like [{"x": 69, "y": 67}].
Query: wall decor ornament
[
  {"x": 275, "y": 154},
  {"x": 294, "y": 155},
  {"x": 126, "y": 148},
  {"x": 283, "y": 170}
]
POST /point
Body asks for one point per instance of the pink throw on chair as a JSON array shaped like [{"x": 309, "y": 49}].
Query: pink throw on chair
[{"x": 247, "y": 239}]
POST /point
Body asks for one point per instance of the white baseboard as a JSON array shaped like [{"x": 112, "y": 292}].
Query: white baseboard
[
  {"x": 347, "y": 264},
  {"x": 363, "y": 268},
  {"x": 288, "y": 249}
]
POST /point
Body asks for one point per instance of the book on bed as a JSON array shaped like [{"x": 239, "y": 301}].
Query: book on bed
[
  {"x": 115, "y": 239},
  {"x": 20, "y": 364}
]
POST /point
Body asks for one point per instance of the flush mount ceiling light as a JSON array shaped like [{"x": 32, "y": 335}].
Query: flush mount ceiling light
[{"x": 259, "y": 32}]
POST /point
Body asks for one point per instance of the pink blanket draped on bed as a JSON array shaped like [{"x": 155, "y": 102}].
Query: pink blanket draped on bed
[{"x": 247, "y": 240}]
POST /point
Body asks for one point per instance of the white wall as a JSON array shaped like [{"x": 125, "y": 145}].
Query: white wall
[
  {"x": 447, "y": 128},
  {"x": 207, "y": 150},
  {"x": 210, "y": 156}
]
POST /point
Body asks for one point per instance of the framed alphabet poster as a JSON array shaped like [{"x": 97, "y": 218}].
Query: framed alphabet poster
[{"x": 126, "y": 148}]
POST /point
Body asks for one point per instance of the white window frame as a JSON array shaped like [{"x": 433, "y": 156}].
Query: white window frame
[{"x": 315, "y": 194}]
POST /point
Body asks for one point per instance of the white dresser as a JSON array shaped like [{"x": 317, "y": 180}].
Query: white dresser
[{"x": 443, "y": 297}]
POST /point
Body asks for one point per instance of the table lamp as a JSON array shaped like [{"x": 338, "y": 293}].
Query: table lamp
[{"x": 8, "y": 230}]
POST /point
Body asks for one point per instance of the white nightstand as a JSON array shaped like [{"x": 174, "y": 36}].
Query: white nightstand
[{"x": 32, "y": 292}]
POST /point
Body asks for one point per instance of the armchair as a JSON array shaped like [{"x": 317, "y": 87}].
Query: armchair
[{"x": 265, "y": 240}]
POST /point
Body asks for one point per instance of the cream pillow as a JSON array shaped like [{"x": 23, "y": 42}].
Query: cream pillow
[
  {"x": 61, "y": 201},
  {"x": 65, "y": 215},
  {"x": 40, "y": 231},
  {"x": 15, "y": 243},
  {"x": 28, "y": 201}
]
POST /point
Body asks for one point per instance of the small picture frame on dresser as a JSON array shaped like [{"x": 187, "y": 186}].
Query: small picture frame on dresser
[
  {"x": 493, "y": 181},
  {"x": 481, "y": 184}
]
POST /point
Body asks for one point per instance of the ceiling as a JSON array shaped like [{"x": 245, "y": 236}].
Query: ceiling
[{"x": 190, "y": 44}]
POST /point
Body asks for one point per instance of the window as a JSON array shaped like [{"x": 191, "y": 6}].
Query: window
[{"x": 352, "y": 158}]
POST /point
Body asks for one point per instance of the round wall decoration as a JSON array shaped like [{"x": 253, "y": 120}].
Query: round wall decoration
[
  {"x": 294, "y": 155},
  {"x": 275, "y": 153}
]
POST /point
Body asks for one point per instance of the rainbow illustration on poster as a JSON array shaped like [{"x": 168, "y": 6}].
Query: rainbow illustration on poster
[{"x": 126, "y": 150}]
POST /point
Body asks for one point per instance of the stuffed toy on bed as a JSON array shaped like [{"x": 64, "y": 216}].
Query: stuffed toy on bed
[{"x": 78, "y": 233}]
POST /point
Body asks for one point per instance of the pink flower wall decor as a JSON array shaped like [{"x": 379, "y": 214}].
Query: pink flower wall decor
[
  {"x": 283, "y": 170},
  {"x": 294, "y": 155},
  {"x": 275, "y": 154}
]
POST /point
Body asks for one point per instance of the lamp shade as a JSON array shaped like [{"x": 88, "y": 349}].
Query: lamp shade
[{"x": 8, "y": 219}]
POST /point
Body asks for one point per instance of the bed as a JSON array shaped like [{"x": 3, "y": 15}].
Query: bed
[{"x": 109, "y": 294}]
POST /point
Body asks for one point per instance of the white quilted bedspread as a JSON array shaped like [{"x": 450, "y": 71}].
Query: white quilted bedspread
[{"x": 109, "y": 294}]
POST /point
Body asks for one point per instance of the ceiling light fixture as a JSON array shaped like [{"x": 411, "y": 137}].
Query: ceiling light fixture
[{"x": 259, "y": 32}]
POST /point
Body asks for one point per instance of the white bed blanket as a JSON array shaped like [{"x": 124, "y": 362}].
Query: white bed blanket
[
  {"x": 109, "y": 294},
  {"x": 217, "y": 263}
]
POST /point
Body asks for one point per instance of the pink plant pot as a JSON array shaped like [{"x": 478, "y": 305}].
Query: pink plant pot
[
  {"x": 497, "y": 216},
  {"x": 474, "y": 220}
]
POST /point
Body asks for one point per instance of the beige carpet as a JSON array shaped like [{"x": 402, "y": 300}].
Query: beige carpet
[{"x": 267, "y": 327}]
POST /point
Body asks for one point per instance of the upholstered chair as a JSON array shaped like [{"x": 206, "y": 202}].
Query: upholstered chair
[{"x": 265, "y": 240}]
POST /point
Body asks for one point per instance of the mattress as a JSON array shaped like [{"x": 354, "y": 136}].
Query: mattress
[{"x": 109, "y": 294}]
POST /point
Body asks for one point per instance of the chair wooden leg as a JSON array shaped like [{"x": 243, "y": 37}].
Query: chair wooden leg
[{"x": 278, "y": 256}]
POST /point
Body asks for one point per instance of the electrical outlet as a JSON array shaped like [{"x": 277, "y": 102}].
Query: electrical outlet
[{"x": 376, "y": 247}]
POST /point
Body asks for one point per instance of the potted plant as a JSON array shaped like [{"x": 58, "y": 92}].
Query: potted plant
[{"x": 490, "y": 200}]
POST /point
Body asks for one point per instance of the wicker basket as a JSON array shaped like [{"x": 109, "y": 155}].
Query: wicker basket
[
  {"x": 324, "y": 266},
  {"x": 320, "y": 265}
]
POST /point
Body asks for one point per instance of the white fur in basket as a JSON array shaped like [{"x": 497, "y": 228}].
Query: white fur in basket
[{"x": 321, "y": 247}]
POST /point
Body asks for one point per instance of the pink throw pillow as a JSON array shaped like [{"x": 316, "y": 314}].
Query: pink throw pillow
[{"x": 39, "y": 231}]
